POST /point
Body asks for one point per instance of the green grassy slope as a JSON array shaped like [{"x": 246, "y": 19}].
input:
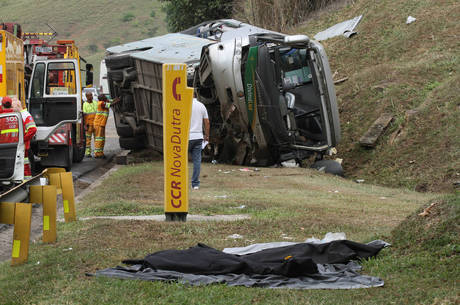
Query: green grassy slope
[
  {"x": 289, "y": 204},
  {"x": 94, "y": 25},
  {"x": 410, "y": 71}
]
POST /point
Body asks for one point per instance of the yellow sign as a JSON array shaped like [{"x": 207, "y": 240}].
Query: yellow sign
[
  {"x": 16, "y": 248},
  {"x": 177, "y": 108}
]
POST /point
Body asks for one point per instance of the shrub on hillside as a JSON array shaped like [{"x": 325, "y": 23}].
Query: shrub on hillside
[
  {"x": 277, "y": 15},
  {"x": 182, "y": 14},
  {"x": 127, "y": 17}
]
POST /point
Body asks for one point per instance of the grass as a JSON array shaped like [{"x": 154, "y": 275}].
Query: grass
[
  {"x": 283, "y": 203},
  {"x": 394, "y": 67}
]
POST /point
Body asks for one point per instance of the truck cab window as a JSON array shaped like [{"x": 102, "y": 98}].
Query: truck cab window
[
  {"x": 60, "y": 79},
  {"x": 38, "y": 81}
]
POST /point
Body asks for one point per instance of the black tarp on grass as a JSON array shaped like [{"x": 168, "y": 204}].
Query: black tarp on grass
[{"x": 302, "y": 266}]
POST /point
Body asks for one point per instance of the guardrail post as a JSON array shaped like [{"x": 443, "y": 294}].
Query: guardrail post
[
  {"x": 64, "y": 184},
  {"x": 68, "y": 196},
  {"x": 55, "y": 179},
  {"x": 21, "y": 233},
  {"x": 7, "y": 212},
  {"x": 46, "y": 195}
]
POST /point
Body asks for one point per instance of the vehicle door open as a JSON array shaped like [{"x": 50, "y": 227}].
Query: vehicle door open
[{"x": 11, "y": 148}]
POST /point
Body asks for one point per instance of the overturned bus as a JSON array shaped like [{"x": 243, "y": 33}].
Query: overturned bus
[{"x": 270, "y": 96}]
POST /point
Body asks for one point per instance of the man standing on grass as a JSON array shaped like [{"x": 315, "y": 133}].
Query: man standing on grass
[{"x": 195, "y": 145}]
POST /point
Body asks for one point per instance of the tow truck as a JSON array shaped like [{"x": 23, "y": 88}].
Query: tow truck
[{"x": 52, "y": 72}]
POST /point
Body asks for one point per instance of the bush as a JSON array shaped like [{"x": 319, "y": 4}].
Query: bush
[
  {"x": 152, "y": 13},
  {"x": 182, "y": 14},
  {"x": 93, "y": 48},
  {"x": 277, "y": 15},
  {"x": 127, "y": 17}
]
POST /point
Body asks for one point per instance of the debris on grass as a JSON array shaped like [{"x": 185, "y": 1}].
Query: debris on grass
[
  {"x": 410, "y": 19},
  {"x": 369, "y": 139},
  {"x": 345, "y": 28},
  {"x": 235, "y": 236},
  {"x": 290, "y": 163},
  {"x": 359, "y": 180},
  {"x": 339, "y": 81},
  {"x": 427, "y": 210}
]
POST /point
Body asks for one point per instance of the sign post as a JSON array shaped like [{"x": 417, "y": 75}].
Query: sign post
[{"x": 177, "y": 108}]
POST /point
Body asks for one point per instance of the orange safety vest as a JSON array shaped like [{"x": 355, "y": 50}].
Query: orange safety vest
[
  {"x": 102, "y": 114},
  {"x": 89, "y": 109}
]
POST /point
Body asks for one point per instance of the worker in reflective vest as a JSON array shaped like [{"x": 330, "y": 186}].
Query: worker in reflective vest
[
  {"x": 29, "y": 132},
  {"x": 102, "y": 114},
  {"x": 89, "y": 111}
]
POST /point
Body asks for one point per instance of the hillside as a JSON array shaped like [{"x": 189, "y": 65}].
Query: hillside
[
  {"x": 94, "y": 25},
  {"x": 410, "y": 71}
]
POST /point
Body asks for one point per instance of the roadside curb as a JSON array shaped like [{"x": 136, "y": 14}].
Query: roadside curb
[
  {"x": 96, "y": 183},
  {"x": 109, "y": 159},
  {"x": 190, "y": 217}
]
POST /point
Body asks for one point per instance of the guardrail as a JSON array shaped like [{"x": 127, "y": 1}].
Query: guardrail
[{"x": 16, "y": 208}]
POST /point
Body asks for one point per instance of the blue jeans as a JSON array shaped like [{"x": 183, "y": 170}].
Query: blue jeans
[{"x": 194, "y": 147}]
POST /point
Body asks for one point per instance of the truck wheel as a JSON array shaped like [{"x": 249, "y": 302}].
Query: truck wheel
[
  {"x": 78, "y": 152},
  {"x": 118, "y": 61},
  {"x": 137, "y": 142}
]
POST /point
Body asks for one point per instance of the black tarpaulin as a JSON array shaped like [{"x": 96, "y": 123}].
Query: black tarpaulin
[{"x": 303, "y": 266}]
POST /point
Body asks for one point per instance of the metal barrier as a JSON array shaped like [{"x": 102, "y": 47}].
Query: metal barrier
[{"x": 16, "y": 208}]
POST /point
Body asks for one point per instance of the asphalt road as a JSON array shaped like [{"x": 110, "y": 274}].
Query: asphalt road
[{"x": 111, "y": 148}]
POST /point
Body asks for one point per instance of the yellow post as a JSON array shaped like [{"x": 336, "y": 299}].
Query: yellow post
[
  {"x": 54, "y": 170},
  {"x": 21, "y": 234},
  {"x": 49, "y": 213},
  {"x": 46, "y": 195},
  {"x": 177, "y": 108},
  {"x": 36, "y": 194},
  {"x": 68, "y": 196},
  {"x": 7, "y": 212},
  {"x": 55, "y": 179}
]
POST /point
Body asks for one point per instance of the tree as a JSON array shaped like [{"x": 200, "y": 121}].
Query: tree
[{"x": 182, "y": 14}]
